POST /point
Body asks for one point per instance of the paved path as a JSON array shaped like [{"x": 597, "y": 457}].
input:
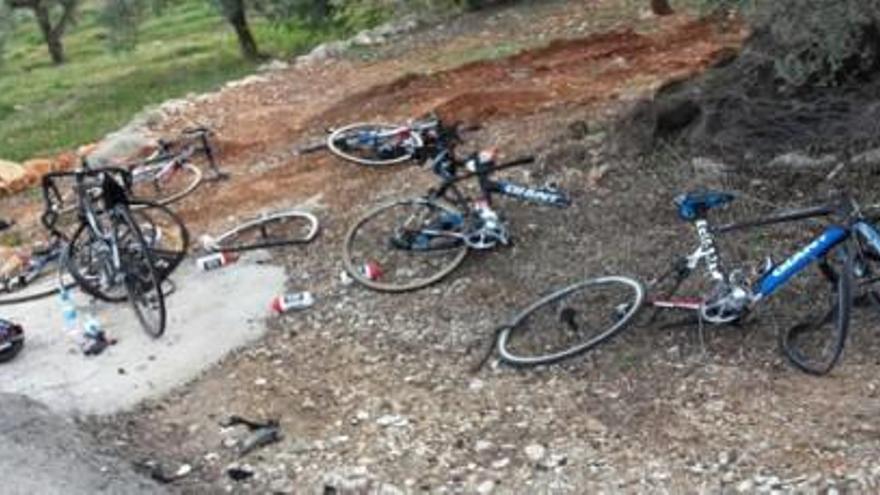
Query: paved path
[{"x": 209, "y": 315}]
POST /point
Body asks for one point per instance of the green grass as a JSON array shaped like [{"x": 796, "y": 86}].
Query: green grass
[{"x": 189, "y": 48}]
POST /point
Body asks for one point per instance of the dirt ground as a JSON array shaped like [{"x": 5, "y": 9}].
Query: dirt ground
[{"x": 374, "y": 391}]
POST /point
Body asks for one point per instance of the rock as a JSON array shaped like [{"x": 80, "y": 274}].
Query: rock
[
  {"x": 707, "y": 167},
  {"x": 346, "y": 480},
  {"x": 272, "y": 66},
  {"x": 282, "y": 485},
  {"x": 482, "y": 445},
  {"x": 392, "y": 420},
  {"x": 122, "y": 146},
  {"x": 367, "y": 38},
  {"x": 535, "y": 452},
  {"x": 870, "y": 158},
  {"x": 501, "y": 463},
  {"x": 247, "y": 81},
  {"x": 796, "y": 160},
  {"x": 486, "y": 487},
  {"x": 745, "y": 486},
  {"x": 11, "y": 171}
]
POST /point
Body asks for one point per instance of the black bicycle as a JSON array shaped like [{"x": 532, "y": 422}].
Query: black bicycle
[
  {"x": 411, "y": 243},
  {"x": 113, "y": 252}
]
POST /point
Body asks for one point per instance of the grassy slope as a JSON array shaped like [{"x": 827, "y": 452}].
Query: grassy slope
[{"x": 188, "y": 48}]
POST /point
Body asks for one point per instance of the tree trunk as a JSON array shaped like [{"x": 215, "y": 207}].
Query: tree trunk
[
  {"x": 52, "y": 36},
  {"x": 236, "y": 15},
  {"x": 661, "y": 7}
]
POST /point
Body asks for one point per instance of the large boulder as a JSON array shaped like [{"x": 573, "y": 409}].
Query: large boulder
[{"x": 10, "y": 171}]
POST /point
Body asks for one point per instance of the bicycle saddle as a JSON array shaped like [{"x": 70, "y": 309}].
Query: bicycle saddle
[{"x": 692, "y": 206}]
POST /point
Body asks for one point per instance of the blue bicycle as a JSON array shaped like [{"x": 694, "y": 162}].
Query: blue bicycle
[{"x": 813, "y": 319}]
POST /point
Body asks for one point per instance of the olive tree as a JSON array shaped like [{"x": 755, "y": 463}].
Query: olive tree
[{"x": 53, "y": 18}]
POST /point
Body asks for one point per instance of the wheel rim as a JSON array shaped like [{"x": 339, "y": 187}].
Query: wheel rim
[
  {"x": 168, "y": 188},
  {"x": 570, "y": 321},
  {"x": 379, "y": 240},
  {"x": 274, "y": 230},
  {"x": 355, "y": 143}
]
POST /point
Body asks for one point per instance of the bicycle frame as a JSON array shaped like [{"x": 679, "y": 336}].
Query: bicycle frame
[
  {"x": 483, "y": 171},
  {"x": 773, "y": 277}
]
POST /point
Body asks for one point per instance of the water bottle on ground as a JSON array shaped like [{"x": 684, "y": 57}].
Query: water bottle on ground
[
  {"x": 293, "y": 301},
  {"x": 216, "y": 260},
  {"x": 69, "y": 316}
]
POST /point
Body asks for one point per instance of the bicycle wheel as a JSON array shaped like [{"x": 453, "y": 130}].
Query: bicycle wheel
[
  {"x": 141, "y": 280},
  {"x": 406, "y": 245},
  {"x": 814, "y": 315},
  {"x": 156, "y": 184},
  {"x": 374, "y": 144},
  {"x": 88, "y": 258},
  {"x": 90, "y": 263},
  {"x": 31, "y": 287},
  {"x": 866, "y": 273},
  {"x": 570, "y": 321},
  {"x": 273, "y": 230},
  {"x": 165, "y": 234}
]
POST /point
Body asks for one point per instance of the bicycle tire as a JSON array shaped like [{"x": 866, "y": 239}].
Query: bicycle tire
[
  {"x": 269, "y": 231},
  {"x": 187, "y": 184},
  {"x": 166, "y": 259},
  {"x": 838, "y": 315},
  {"x": 339, "y": 135},
  {"x": 353, "y": 263},
  {"x": 147, "y": 282},
  {"x": 511, "y": 352},
  {"x": 37, "y": 289},
  {"x": 174, "y": 237}
]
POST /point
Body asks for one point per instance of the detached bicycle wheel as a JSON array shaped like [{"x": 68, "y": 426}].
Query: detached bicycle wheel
[
  {"x": 141, "y": 280},
  {"x": 277, "y": 229},
  {"x": 156, "y": 184},
  {"x": 406, "y": 245},
  {"x": 374, "y": 144},
  {"x": 570, "y": 321},
  {"x": 813, "y": 317}
]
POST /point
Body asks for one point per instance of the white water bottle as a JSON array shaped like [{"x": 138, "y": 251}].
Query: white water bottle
[
  {"x": 91, "y": 325},
  {"x": 69, "y": 315},
  {"x": 292, "y": 302}
]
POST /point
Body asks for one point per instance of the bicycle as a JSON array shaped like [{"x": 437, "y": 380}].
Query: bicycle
[
  {"x": 268, "y": 230},
  {"x": 165, "y": 234},
  {"x": 557, "y": 327},
  {"x": 375, "y": 144},
  {"x": 119, "y": 254},
  {"x": 35, "y": 278},
  {"x": 165, "y": 176},
  {"x": 436, "y": 231}
]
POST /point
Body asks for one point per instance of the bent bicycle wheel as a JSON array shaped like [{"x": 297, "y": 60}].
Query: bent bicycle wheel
[
  {"x": 374, "y": 144},
  {"x": 812, "y": 316},
  {"x": 405, "y": 245},
  {"x": 153, "y": 184},
  {"x": 570, "y": 321},
  {"x": 141, "y": 280},
  {"x": 273, "y": 230}
]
